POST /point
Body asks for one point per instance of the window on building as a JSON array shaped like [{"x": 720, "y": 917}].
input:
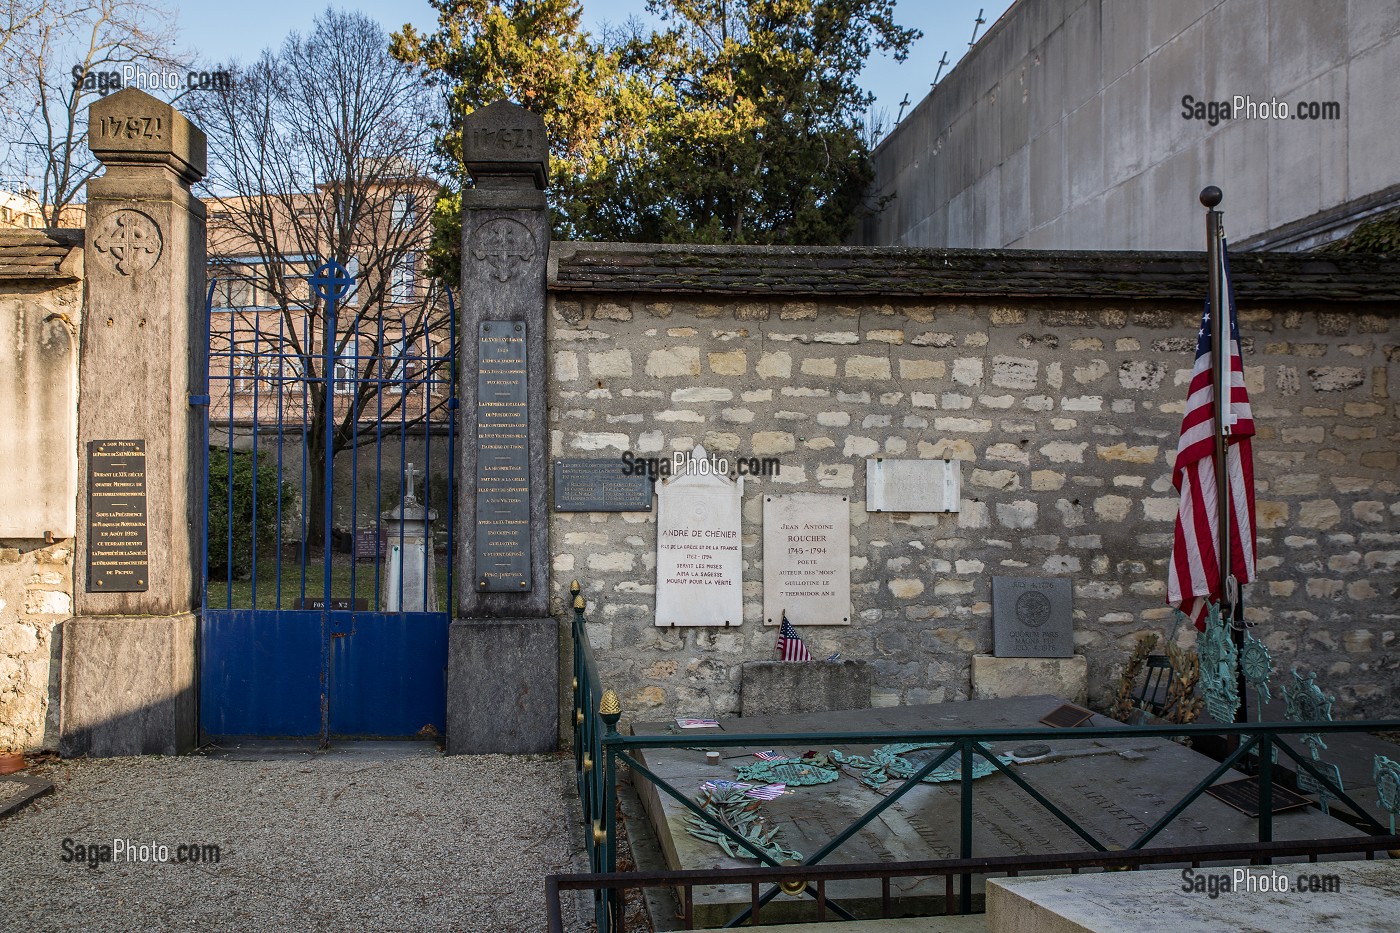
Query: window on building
[
  {"x": 403, "y": 287},
  {"x": 347, "y": 369},
  {"x": 404, "y": 211}
]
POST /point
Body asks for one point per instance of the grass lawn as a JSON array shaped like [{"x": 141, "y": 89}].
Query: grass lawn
[{"x": 366, "y": 580}]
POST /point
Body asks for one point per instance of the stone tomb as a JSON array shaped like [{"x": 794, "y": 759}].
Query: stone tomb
[
  {"x": 1032, "y": 617},
  {"x": 1115, "y": 789}
]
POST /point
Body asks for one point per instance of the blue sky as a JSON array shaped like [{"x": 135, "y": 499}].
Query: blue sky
[{"x": 220, "y": 31}]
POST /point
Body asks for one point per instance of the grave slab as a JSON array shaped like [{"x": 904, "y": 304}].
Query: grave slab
[
  {"x": 1368, "y": 898},
  {"x": 1116, "y": 789}
]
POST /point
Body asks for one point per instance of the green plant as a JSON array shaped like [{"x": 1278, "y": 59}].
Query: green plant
[{"x": 231, "y": 511}]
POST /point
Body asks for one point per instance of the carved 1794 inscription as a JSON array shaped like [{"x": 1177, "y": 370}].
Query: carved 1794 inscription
[
  {"x": 504, "y": 139},
  {"x": 130, "y": 128}
]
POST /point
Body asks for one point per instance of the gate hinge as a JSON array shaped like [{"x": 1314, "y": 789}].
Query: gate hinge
[{"x": 199, "y": 400}]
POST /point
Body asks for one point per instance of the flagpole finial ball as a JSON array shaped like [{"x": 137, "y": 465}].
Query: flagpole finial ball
[{"x": 1211, "y": 196}]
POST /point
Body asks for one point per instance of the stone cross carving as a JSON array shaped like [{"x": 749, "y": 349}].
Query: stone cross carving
[
  {"x": 131, "y": 240},
  {"x": 410, "y": 473}
]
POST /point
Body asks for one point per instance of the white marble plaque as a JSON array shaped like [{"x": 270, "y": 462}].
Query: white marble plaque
[
  {"x": 699, "y": 562},
  {"x": 912, "y": 485},
  {"x": 807, "y": 559}
]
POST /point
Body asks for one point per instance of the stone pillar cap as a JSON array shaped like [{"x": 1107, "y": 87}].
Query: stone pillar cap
[
  {"x": 131, "y": 127},
  {"x": 505, "y": 139}
]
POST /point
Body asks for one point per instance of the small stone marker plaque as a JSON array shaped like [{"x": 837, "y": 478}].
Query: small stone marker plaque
[
  {"x": 1066, "y": 716},
  {"x": 807, "y": 559},
  {"x": 502, "y": 460},
  {"x": 1032, "y": 617},
  {"x": 1243, "y": 795},
  {"x": 583, "y": 485},
  {"x": 699, "y": 565},
  {"x": 117, "y": 531},
  {"x": 912, "y": 485}
]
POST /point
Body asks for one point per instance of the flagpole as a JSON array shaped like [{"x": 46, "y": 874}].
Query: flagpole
[{"x": 1221, "y": 381}]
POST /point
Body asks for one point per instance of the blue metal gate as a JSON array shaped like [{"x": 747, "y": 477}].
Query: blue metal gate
[{"x": 327, "y": 586}]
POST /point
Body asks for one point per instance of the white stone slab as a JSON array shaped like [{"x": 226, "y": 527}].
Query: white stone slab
[
  {"x": 912, "y": 485},
  {"x": 807, "y": 559},
  {"x": 699, "y": 557},
  {"x": 1365, "y": 898}
]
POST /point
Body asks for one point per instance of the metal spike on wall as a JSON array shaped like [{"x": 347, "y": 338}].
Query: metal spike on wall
[
  {"x": 942, "y": 63},
  {"x": 902, "y": 104},
  {"x": 976, "y": 25}
]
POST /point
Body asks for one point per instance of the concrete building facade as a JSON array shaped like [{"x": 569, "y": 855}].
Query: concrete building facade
[{"x": 1092, "y": 124}]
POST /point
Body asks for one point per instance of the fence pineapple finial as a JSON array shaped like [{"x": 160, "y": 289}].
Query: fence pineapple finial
[{"x": 609, "y": 709}]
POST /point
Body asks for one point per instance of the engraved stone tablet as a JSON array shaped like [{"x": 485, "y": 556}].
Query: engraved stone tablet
[
  {"x": 699, "y": 566},
  {"x": 582, "y": 485},
  {"x": 912, "y": 485},
  {"x": 1032, "y": 617},
  {"x": 117, "y": 559},
  {"x": 502, "y": 460},
  {"x": 807, "y": 559}
]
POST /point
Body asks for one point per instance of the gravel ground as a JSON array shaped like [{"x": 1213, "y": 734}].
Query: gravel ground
[{"x": 371, "y": 837}]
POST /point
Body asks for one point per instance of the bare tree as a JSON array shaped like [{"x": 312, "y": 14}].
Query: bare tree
[
  {"x": 59, "y": 56},
  {"x": 321, "y": 151}
]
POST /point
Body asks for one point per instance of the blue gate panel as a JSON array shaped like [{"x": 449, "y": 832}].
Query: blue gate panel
[
  {"x": 389, "y": 678},
  {"x": 260, "y": 672}
]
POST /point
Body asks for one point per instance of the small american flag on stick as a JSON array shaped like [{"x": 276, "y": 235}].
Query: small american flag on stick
[{"x": 791, "y": 647}]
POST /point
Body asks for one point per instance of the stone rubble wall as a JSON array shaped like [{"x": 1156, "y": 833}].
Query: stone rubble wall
[
  {"x": 36, "y": 577},
  {"x": 1065, "y": 416}
]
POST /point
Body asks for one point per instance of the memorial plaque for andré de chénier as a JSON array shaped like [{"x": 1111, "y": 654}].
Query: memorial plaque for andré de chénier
[
  {"x": 807, "y": 559},
  {"x": 1032, "y": 617},
  {"x": 699, "y": 563}
]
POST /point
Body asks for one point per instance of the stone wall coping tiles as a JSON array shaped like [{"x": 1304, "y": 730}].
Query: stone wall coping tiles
[
  {"x": 41, "y": 255},
  {"x": 829, "y": 271}
]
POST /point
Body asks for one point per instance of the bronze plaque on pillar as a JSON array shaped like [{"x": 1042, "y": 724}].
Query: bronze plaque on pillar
[
  {"x": 502, "y": 459},
  {"x": 117, "y": 560}
]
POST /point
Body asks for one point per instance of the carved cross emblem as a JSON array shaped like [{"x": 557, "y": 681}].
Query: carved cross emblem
[
  {"x": 501, "y": 244},
  {"x": 131, "y": 240}
]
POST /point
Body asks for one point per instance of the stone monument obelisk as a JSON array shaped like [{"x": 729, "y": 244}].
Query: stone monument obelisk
[{"x": 503, "y": 647}]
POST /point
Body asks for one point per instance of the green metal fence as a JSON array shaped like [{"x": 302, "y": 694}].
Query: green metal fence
[{"x": 599, "y": 748}]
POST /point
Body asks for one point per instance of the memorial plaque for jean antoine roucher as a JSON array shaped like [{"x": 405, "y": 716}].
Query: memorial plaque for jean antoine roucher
[
  {"x": 117, "y": 534},
  {"x": 502, "y": 460}
]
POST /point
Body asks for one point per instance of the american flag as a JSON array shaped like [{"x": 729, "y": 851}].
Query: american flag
[
  {"x": 769, "y": 755},
  {"x": 1193, "y": 580},
  {"x": 790, "y": 644}
]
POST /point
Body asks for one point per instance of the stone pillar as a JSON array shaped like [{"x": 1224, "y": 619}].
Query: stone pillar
[
  {"x": 129, "y": 663},
  {"x": 503, "y": 649}
]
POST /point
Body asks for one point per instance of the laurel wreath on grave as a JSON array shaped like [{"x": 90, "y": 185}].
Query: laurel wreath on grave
[
  {"x": 812, "y": 769},
  {"x": 740, "y": 814},
  {"x": 888, "y": 762}
]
